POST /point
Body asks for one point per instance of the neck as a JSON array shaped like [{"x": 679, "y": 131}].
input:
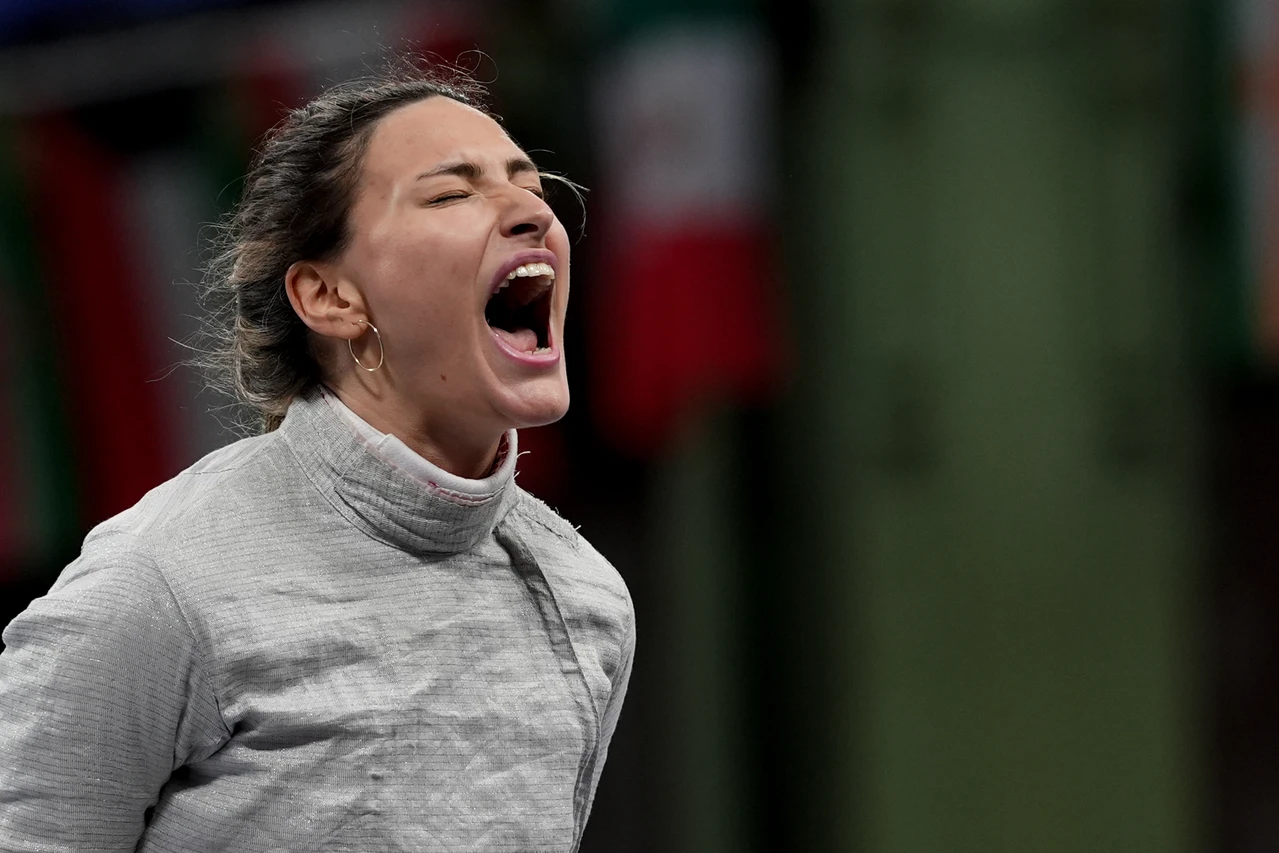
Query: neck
[
  {"x": 472, "y": 462},
  {"x": 455, "y": 451}
]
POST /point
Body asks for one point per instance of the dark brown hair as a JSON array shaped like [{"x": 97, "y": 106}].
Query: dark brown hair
[{"x": 295, "y": 206}]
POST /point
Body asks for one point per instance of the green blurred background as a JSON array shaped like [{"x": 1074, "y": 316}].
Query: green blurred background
[{"x": 924, "y": 359}]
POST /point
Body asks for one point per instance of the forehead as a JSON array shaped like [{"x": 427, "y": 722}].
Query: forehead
[{"x": 426, "y": 133}]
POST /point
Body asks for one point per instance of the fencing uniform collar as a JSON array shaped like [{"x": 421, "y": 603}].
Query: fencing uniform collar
[{"x": 387, "y": 490}]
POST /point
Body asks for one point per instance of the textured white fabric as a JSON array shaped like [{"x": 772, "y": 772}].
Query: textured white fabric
[{"x": 293, "y": 645}]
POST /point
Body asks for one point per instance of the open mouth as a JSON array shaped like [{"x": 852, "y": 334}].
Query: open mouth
[{"x": 520, "y": 310}]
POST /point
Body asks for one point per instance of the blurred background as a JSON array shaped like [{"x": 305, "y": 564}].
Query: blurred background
[{"x": 925, "y": 362}]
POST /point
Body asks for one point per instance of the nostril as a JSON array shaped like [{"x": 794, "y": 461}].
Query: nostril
[{"x": 525, "y": 228}]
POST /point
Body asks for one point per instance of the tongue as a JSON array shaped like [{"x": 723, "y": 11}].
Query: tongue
[{"x": 522, "y": 340}]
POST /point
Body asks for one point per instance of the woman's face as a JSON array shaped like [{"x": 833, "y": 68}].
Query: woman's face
[{"x": 464, "y": 269}]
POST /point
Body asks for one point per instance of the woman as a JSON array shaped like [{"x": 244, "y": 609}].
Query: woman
[{"x": 353, "y": 631}]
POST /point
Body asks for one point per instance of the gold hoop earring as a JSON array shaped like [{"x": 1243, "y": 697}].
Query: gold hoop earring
[{"x": 381, "y": 349}]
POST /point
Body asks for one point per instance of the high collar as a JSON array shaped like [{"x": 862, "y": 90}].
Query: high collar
[{"x": 443, "y": 515}]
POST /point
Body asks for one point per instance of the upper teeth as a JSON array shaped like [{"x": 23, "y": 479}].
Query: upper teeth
[{"x": 531, "y": 270}]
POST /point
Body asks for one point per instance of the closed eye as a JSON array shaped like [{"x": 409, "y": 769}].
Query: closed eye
[{"x": 451, "y": 196}]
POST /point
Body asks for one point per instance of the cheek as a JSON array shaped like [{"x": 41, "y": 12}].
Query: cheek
[{"x": 426, "y": 280}]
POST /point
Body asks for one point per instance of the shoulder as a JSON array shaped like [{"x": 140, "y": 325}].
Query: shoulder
[
  {"x": 112, "y": 608},
  {"x": 121, "y": 568},
  {"x": 563, "y": 550},
  {"x": 117, "y": 575},
  {"x": 591, "y": 594},
  {"x": 552, "y": 528},
  {"x": 188, "y": 526},
  {"x": 238, "y": 475},
  {"x": 538, "y": 513}
]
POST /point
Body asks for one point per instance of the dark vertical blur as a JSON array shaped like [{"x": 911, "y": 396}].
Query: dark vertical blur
[{"x": 923, "y": 360}]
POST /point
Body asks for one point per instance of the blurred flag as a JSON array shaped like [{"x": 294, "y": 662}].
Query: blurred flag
[
  {"x": 14, "y": 533},
  {"x": 40, "y": 501},
  {"x": 96, "y": 274},
  {"x": 686, "y": 309},
  {"x": 1256, "y": 44},
  {"x": 106, "y": 330}
]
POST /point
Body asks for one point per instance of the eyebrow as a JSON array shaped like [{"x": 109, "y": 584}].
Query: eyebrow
[{"x": 473, "y": 171}]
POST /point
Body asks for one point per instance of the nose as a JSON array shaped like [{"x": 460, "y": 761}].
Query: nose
[{"x": 528, "y": 215}]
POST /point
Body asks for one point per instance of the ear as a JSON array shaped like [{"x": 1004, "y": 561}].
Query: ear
[{"x": 328, "y": 306}]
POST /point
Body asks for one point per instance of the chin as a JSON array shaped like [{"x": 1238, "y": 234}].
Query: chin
[
  {"x": 536, "y": 416},
  {"x": 536, "y": 407}
]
